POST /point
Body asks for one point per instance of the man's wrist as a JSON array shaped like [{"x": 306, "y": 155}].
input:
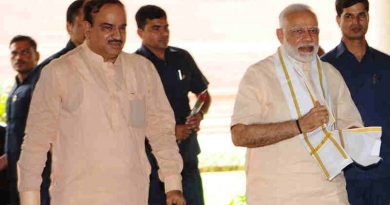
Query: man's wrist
[{"x": 298, "y": 126}]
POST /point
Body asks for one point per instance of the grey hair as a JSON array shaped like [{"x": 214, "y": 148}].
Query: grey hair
[{"x": 292, "y": 8}]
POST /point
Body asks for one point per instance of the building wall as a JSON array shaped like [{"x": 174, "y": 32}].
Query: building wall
[{"x": 224, "y": 36}]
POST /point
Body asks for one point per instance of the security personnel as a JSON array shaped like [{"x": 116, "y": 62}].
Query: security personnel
[
  {"x": 179, "y": 75},
  {"x": 3, "y": 180},
  {"x": 366, "y": 72},
  {"x": 24, "y": 58}
]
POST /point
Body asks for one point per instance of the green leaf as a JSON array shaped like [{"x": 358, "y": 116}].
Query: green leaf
[
  {"x": 3, "y": 100},
  {"x": 238, "y": 200}
]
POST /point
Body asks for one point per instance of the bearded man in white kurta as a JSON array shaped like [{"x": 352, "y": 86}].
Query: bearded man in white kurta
[{"x": 279, "y": 170}]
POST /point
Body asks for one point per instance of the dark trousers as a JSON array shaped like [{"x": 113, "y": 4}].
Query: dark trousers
[
  {"x": 13, "y": 193},
  {"x": 191, "y": 182},
  {"x": 368, "y": 191},
  {"x": 3, "y": 197}
]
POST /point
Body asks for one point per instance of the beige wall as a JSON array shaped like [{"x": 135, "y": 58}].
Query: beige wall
[
  {"x": 382, "y": 25},
  {"x": 224, "y": 36}
]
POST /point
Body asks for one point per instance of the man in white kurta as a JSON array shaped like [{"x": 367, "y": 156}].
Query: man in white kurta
[
  {"x": 93, "y": 107},
  {"x": 279, "y": 169}
]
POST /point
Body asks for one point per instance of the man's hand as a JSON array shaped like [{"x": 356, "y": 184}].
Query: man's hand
[
  {"x": 175, "y": 197},
  {"x": 182, "y": 132},
  {"x": 316, "y": 117},
  {"x": 3, "y": 162},
  {"x": 194, "y": 121},
  {"x": 192, "y": 125}
]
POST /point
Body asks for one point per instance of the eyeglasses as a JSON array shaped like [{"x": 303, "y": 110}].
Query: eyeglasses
[{"x": 300, "y": 31}]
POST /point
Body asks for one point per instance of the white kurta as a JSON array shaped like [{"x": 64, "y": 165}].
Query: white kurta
[
  {"x": 285, "y": 173},
  {"x": 95, "y": 116}
]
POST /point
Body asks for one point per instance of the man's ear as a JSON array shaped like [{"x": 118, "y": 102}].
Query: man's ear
[
  {"x": 338, "y": 19},
  {"x": 139, "y": 32},
  {"x": 68, "y": 27},
  {"x": 37, "y": 56},
  {"x": 280, "y": 35},
  {"x": 88, "y": 28}
]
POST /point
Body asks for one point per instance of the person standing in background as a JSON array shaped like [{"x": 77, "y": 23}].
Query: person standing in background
[
  {"x": 366, "y": 72},
  {"x": 24, "y": 59},
  {"x": 180, "y": 75},
  {"x": 3, "y": 177}
]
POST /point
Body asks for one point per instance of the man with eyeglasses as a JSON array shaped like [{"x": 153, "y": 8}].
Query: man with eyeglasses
[
  {"x": 367, "y": 74},
  {"x": 24, "y": 58},
  {"x": 283, "y": 101}
]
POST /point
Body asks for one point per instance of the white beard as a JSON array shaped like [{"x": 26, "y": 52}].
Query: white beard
[{"x": 301, "y": 57}]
